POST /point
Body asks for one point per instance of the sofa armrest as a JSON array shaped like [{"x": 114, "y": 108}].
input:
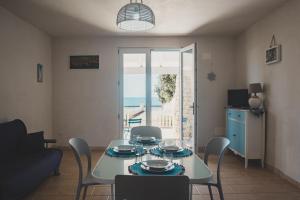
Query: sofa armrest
[{"x": 49, "y": 141}]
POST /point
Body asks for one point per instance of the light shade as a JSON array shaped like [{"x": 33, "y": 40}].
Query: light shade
[
  {"x": 135, "y": 17},
  {"x": 255, "y": 88}
]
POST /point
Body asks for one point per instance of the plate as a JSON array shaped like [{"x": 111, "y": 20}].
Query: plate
[
  {"x": 146, "y": 139},
  {"x": 170, "y": 148},
  {"x": 157, "y": 166},
  {"x": 124, "y": 148}
]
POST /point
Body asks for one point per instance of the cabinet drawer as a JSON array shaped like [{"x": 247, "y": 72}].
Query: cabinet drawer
[{"x": 236, "y": 115}]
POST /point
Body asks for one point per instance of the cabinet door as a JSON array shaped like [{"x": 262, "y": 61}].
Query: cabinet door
[
  {"x": 235, "y": 136},
  {"x": 229, "y": 132},
  {"x": 241, "y": 139}
]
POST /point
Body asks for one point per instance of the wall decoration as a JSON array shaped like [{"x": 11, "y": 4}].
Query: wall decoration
[
  {"x": 39, "y": 73},
  {"x": 273, "y": 54},
  {"x": 211, "y": 76},
  {"x": 84, "y": 62}
]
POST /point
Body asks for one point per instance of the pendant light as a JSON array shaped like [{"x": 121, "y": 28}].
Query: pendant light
[{"x": 135, "y": 16}]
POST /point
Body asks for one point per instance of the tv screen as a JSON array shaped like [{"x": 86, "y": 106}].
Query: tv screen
[{"x": 238, "y": 98}]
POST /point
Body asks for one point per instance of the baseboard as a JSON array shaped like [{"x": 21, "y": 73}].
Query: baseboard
[
  {"x": 201, "y": 149},
  {"x": 282, "y": 175}
]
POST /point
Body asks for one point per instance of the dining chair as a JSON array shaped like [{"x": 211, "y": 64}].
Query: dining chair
[
  {"x": 150, "y": 131},
  {"x": 128, "y": 187},
  {"x": 81, "y": 149},
  {"x": 216, "y": 146}
]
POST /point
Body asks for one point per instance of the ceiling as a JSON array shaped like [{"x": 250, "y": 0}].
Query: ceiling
[{"x": 173, "y": 17}]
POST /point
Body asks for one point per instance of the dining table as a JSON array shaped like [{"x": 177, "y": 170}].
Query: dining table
[{"x": 108, "y": 167}]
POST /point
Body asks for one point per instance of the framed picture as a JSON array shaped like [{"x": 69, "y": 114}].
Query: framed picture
[
  {"x": 273, "y": 54},
  {"x": 84, "y": 62},
  {"x": 39, "y": 73}
]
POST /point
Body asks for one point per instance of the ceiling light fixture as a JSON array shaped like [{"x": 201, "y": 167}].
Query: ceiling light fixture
[{"x": 135, "y": 16}]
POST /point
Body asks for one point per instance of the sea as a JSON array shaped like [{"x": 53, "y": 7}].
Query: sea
[{"x": 138, "y": 101}]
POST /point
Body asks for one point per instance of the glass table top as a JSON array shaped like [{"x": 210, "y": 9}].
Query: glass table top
[{"x": 108, "y": 167}]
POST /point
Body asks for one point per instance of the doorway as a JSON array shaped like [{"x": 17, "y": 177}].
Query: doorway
[{"x": 152, "y": 83}]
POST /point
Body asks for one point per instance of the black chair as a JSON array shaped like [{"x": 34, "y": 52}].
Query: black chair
[{"x": 129, "y": 187}]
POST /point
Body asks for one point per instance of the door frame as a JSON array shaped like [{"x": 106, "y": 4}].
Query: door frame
[
  {"x": 192, "y": 47},
  {"x": 147, "y": 51}
]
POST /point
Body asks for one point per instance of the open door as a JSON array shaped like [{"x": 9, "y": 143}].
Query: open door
[{"x": 189, "y": 95}]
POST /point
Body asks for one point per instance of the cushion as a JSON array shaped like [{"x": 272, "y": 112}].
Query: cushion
[
  {"x": 32, "y": 143},
  {"x": 11, "y": 133}
]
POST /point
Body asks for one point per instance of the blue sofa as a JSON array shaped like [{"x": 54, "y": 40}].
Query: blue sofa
[{"x": 24, "y": 160}]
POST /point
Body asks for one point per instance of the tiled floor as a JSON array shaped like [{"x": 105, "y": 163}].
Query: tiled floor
[{"x": 253, "y": 183}]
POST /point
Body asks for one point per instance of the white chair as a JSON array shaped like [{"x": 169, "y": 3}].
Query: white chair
[
  {"x": 151, "y": 187},
  {"x": 81, "y": 148},
  {"x": 216, "y": 146},
  {"x": 146, "y": 131}
]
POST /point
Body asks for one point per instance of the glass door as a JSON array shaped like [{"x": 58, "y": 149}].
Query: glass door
[
  {"x": 188, "y": 95},
  {"x": 165, "y": 92},
  {"x": 133, "y": 89},
  {"x": 150, "y": 90}
]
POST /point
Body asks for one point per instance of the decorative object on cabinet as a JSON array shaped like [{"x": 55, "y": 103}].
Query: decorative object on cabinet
[
  {"x": 246, "y": 133},
  {"x": 255, "y": 101},
  {"x": 84, "y": 62},
  {"x": 273, "y": 54}
]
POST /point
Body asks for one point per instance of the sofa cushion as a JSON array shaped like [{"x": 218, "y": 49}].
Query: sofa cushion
[
  {"x": 11, "y": 133},
  {"x": 23, "y": 174},
  {"x": 32, "y": 143}
]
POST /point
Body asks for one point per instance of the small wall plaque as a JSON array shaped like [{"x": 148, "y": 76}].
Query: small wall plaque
[
  {"x": 39, "y": 73},
  {"x": 84, "y": 62}
]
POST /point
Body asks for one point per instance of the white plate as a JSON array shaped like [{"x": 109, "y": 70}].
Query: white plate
[
  {"x": 124, "y": 148},
  {"x": 157, "y": 166},
  {"x": 146, "y": 139},
  {"x": 170, "y": 148}
]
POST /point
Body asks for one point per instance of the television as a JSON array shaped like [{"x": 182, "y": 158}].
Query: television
[{"x": 238, "y": 98}]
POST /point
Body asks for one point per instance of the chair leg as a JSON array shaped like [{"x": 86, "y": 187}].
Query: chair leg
[
  {"x": 220, "y": 192},
  {"x": 84, "y": 192},
  {"x": 78, "y": 192},
  {"x": 210, "y": 192},
  {"x": 112, "y": 192}
]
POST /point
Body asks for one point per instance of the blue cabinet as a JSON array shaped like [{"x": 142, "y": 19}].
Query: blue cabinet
[{"x": 246, "y": 133}]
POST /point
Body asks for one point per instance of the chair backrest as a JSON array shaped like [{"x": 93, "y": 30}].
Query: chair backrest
[
  {"x": 81, "y": 148},
  {"x": 216, "y": 146},
  {"x": 129, "y": 187},
  {"x": 150, "y": 131}
]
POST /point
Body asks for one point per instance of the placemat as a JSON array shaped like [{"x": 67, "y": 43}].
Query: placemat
[
  {"x": 112, "y": 153},
  {"x": 158, "y": 152},
  {"x": 137, "y": 170}
]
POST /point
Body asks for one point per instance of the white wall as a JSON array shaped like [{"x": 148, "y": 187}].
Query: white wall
[
  {"x": 281, "y": 80},
  {"x": 22, "y": 47},
  {"x": 86, "y": 101}
]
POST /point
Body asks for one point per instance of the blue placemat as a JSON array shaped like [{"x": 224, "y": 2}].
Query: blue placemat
[
  {"x": 112, "y": 153},
  {"x": 137, "y": 170},
  {"x": 158, "y": 152},
  {"x": 155, "y": 142}
]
